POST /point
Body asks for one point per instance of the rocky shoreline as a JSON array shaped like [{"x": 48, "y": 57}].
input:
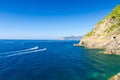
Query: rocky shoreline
[
  {"x": 116, "y": 77},
  {"x": 111, "y": 46}
]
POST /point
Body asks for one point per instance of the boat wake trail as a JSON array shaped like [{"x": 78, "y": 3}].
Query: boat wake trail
[
  {"x": 25, "y": 50},
  {"x": 20, "y": 52}
]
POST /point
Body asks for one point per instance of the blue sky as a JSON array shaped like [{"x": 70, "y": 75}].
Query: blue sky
[{"x": 51, "y": 19}]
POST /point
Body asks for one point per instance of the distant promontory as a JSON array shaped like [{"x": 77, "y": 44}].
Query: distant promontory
[{"x": 72, "y": 38}]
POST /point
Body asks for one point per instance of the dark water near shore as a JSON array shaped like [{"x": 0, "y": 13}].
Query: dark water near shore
[{"x": 54, "y": 60}]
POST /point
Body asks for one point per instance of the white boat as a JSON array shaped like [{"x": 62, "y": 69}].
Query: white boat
[
  {"x": 44, "y": 49},
  {"x": 36, "y": 47}
]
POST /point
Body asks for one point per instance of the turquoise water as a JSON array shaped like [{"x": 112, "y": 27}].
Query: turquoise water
[{"x": 54, "y": 60}]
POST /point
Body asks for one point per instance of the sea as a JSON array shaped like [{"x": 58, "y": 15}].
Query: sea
[{"x": 54, "y": 60}]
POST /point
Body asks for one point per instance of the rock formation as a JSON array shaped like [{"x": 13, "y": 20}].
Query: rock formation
[
  {"x": 106, "y": 34},
  {"x": 116, "y": 77}
]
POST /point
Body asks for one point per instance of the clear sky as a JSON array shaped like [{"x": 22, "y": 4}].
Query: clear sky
[{"x": 51, "y": 19}]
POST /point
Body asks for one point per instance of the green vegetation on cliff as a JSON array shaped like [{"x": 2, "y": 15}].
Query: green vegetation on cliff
[
  {"x": 116, "y": 12},
  {"x": 107, "y": 25}
]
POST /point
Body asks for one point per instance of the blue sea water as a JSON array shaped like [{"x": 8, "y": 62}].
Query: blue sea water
[{"x": 54, "y": 60}]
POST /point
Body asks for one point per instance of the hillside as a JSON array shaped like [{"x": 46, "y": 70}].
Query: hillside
[{"x": 106, "y": 34}]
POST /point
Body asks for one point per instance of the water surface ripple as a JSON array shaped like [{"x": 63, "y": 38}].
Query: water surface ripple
[{"x": 61, "y": 61}]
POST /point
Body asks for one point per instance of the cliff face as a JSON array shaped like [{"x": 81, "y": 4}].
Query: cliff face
[{"x": 106, "y": 34}]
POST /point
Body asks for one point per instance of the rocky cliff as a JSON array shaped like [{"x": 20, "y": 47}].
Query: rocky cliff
[{"x": 106, "y": 34}]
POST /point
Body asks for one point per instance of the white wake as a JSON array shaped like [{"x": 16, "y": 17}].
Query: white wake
[
  {"x": 44, "y": 49},
  {"x": 25, "y": 50}
]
